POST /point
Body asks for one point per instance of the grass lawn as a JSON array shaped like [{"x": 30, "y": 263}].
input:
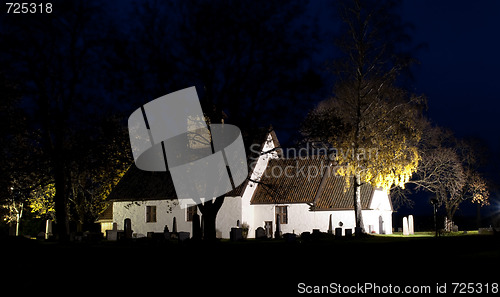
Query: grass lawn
[{"x": 428, "y": 234}]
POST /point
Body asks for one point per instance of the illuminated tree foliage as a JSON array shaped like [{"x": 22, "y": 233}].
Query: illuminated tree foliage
[
  {"x": 369, "y": 121},
  {"x": 41, "y": 201}
]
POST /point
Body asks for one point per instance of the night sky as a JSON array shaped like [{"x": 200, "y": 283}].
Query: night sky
[
  {"x": 124, "y": 66},
  {"x": 458, "y": 70},
  {"x": 459, "y": 61}
]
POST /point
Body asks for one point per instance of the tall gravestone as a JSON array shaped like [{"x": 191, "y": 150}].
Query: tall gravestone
[
  {"x": 405, "y": 226},
  {"x": 381, "y": 225},
  {"x": 174, "y": 225},
  {"x": 411, "y": 230},
  {"x": 277, "y": 233},
  {"x": 127, "y": 228},
  {"x": 48, "y": 228},
  {"x": 330, "y": 227}
]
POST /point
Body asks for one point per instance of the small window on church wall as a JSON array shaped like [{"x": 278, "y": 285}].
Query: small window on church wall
[
  {"x": 283, "y": 212},
  {"x": 190, "y": 211},
  {"x": 151, "y": 214}
]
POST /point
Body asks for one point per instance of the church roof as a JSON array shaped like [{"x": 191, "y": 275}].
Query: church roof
[
  {"x": 143, "y": 185},
  {"x": 140, "y": 185},
  {"x": 310, "y": 181},
  {"x": 299, "y": 180}
]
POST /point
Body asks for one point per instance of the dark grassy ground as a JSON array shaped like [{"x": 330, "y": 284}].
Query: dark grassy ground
[{"x": 251, "y": 266}]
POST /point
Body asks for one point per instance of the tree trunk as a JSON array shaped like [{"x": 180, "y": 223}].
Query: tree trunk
[
  {"x": 449, "y": 220},
  {"x": 209, "y": 226},
  {"x": 209, "y": 212},
  {"x": 18, "y": 221},
  {"x": 60, "y": 195},
  {"x": 60, "y": 206},
  {"x": 357, "y": 205}
]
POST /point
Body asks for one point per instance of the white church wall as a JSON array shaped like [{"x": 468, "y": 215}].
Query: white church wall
[
  {"x": 378, "y": 221},
  {"x": 300, "y": 219},
  {"x": 228, "y": 214},
  {"x": 378, "y": 218},
  {"x": 380, "y": 200},
  {"x": 166, "y": 210}
]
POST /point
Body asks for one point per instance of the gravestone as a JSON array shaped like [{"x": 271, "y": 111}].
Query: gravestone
[
  {"x": 127, "y": 226},
  {"x": 305, "y": 236},
  {"x": 260, "y": 233},
  {"x": 405, "y": 226},
  {"x": 411, "y": 230},
  {"x": 348, "y": 232},
  {"x": 316, "y": 234},
  {"x": 183, "y": 236},
  {"x": 330, "y": 227},
  {"x": 48, "y": 228},
  {"x": 174, "y": 225},
  {"x": 338, "y": 232},
  {"x": 381, "y": 225},
  {"x": 277, "y": 233},
  {"x": 112, "y": 235},
  {"x": 290, "y": 237},
  {"x": 235, "y": 234},
  {"x": 371, "y": 229}
]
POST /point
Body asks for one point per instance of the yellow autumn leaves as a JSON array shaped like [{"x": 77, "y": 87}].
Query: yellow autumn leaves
[
  {"x": 393, "y": 163},
  {"x": 41, "y": 200}
]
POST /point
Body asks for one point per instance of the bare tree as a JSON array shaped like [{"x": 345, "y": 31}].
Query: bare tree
[{"x": 449, "y": 168}]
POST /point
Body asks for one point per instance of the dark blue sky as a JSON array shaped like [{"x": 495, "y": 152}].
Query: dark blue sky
[
  {"x": 459, "y": 70},
  {"x": 459, "y": 67}
]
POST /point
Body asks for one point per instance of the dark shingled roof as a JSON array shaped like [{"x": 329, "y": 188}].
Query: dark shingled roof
[
  {"x": 143, "y": 185},
  {"x": 107, "y": 214},
  {"x": 336, "y": 195},
  {"x": 310, "y": 181},
  {"x": 287, "y": 181},
  {"x": 138, "y": 184}
]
